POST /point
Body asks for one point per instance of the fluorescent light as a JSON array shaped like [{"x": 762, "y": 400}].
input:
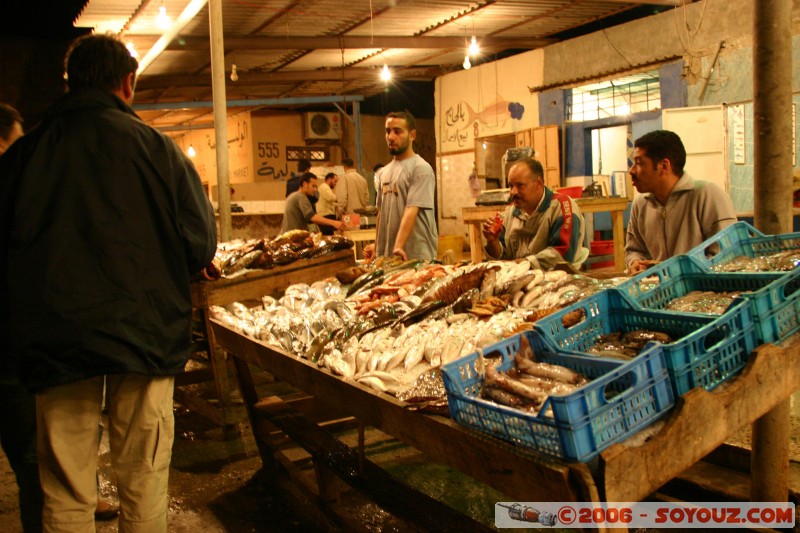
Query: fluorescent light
[{"x": 183, "y": 19}]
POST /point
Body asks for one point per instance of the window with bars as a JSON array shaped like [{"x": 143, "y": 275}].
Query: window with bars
[
  {"x": 312, "y": 153},
  {"x": 634, "y": 93}
]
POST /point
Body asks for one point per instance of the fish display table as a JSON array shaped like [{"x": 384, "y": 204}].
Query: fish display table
[
  {"x": 475, "y": 216},
  {"x": 251, "y": 285},
  {"x": 701, "y": 422}
]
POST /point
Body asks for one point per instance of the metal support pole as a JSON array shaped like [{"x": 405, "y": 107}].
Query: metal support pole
[
  {"x": 772, "y": 90},
  {"x": 357, "y": 120},
  {"x": 220, "y": 117}
]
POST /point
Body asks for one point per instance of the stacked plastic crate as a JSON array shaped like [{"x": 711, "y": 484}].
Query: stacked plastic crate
[{"x": 626, "y": 396}]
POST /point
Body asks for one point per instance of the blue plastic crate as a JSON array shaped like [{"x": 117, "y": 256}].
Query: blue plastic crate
[
  {"x": 774, "y": 297},
  {"x": 621, "y": 399},
  {"x": 707, "y": 350},
  {"x": 741, "y": 239}
]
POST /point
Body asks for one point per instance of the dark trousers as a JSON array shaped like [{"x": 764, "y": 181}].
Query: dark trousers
[
  {"x": 18, "y": 437},
  {"x": 327, "y": 230}
]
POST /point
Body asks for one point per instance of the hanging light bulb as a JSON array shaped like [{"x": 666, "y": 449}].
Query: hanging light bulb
[
  {"x": 386, "y": 75},
  {"x": 191, "y": 151},
  {"x": 484, "y": 145},
  {"x": 474, "y": 49},
  {"x": 467, "y": 65},
  {"x": 234, "y": 74},
  {"x": 162, "y": 19}
]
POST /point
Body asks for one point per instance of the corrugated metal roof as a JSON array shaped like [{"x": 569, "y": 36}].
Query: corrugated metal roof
[{"x": 302, "y": 47}]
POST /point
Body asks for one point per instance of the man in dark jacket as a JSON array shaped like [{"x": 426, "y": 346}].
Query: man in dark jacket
[
  {"x": 293, "y": 183},
  {"x": 102, "y": 222}
]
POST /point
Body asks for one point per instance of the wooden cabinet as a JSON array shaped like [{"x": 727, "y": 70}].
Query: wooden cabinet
[{"x": 544, "y": 139}]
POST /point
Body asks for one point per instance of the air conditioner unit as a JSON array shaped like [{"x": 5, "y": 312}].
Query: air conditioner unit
[{"x": 323, "y": 125}]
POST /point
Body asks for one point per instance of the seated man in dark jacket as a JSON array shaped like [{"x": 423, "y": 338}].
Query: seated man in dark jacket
[{"x": 104, "y": 220}]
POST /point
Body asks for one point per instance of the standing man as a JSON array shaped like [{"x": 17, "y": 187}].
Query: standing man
[
  {"x": 540, "y": 225},
  {"x": 326, "y": 206},
  {"x": 674, "y": 213},
  {"x": 18, "y": 422},
  {"x": 353, "y": 192},
  {"x": 104, "y": 220},
  {"x": 406, "y": 225},
  {"x": 298, "y": 213}
]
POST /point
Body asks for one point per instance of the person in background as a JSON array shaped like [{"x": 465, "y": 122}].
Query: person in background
[
  {"x": 353, "y": 191},
  {"x": 674, "y": 212},
  {"x": 298, "y": 213},
  {"x": 104, "y": 222},
  {"x": 18, "y": 422},
  {"x": 540, "y": 225},
  {"x": 372, "y": 193},
  {"x": 406, "y": 226},
  {"x": 326, "y": 206},
  {"x": 293, "y": 183}
]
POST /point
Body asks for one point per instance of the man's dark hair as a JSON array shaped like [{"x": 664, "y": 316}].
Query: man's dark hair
[
  {"x": 303, "y": 165},
  {"x": 347, "y": 162},
  {"x": 405, "y": 115},
  {"x": 663, "y": 144},
  {"x": 8, "y": 117},
  {"x": 330, "y": 175},
  {"x": 98, "y": 62},
  {"x": 308, "y": 176},
  {"x": 535, "y": 166}
]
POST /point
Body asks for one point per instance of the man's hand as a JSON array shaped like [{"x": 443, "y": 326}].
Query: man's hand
[
  {"x": 492, "y": 227},
  {"x": 338, "y": 225},
  {"x": 369, "y": 251},
  {"x": 400, "y": 252},
  {"x": 640, "y": 265}
]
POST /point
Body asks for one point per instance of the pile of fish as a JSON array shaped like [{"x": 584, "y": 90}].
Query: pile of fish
[
  {"x": 235, "y": 256},
  {"x": 397, "y": 322},
  {"x": 705, "y": 302},
  {"x": 626, "y": 344},
  {"x": 528, "y": 384},
  {"x": 781, "y": 261}
]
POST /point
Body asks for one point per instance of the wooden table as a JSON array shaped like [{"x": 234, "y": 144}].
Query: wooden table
[
  {"x": 360, "y": 235},
  {"x": 475, "y": 216},
  {"x": 700, "y": 422},
  {"x": 249, "y": 286}
]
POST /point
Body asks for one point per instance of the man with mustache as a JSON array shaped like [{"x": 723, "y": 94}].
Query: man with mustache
[
  {"x": 540, "y": 225},
  {"x": 406, "y": 226},
  {"x": 674, "y": 213}
]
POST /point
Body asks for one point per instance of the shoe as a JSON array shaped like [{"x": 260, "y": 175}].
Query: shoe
[{"x": 105, "y": 511}]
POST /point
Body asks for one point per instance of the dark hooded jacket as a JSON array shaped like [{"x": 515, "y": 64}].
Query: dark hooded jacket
[{"x": 102, "y": 222}]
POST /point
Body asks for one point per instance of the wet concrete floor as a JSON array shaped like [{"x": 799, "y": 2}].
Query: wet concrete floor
[{"x": 217, "y": 484}]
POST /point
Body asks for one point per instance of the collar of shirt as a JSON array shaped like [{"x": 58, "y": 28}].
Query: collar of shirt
[{"x": 543, "y": 202}]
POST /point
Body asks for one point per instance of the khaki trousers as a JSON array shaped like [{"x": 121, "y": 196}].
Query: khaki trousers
[{"x": 141, "y": 431}]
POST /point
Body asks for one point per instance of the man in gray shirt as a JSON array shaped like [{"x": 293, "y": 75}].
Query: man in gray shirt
[
  {"x": 406, "y": 224},
  {"x": 675, "y": 212},
  {"x": 298, "y": 213}
]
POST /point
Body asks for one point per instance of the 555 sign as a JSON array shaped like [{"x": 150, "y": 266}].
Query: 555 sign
[
  {"x": 272, "y": 162},
  {"x": 269, "y": 150}
]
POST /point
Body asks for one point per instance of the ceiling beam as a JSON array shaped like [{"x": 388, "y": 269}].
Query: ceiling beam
[
  {"x": 354, "y": 42},
  {"x": 255, "y": 102},
  {"x": 674, "y": 3},
  {"x": 262, "y": 78}
]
